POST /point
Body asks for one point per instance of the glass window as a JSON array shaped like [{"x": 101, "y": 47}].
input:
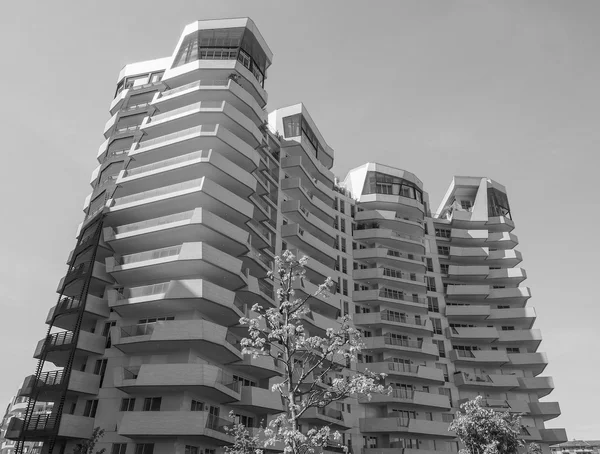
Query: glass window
[
  {"x": 379, "y": 183},
  {"x": 152, "y": 404},
  {"x": 119, "y": 448},
  {"x": 291, "y": 126},
  {"x": 127, "y": 404},
  {"x": 144, "y": 448}
]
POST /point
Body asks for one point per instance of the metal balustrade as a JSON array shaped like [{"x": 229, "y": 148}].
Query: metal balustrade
[
  {"x": 163, "y": 220},
  {"x": 150, "y": 255},
  {"x": 202, "y": 154}
]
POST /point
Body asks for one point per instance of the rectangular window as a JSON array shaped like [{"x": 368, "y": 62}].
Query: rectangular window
[
  {"x": 444, "y": 268},
  {"x": 342, "y": 206},
  {"x": 437, "y": 325},
  {"x": 343, "y": 225},
  {"x": 466, "y": 205},
  {"x": 345, "y": 287},
  {"x": 337, "y": 263},
  {"x": 118, "y": 448},
  {"x": 432, "y": 304},
  {"x": 442, "y": 233},
  {"x": 346, "y": 308},
  {"x": 344, "y": 265},
  {"x": 508, "y": 328},
  {"x": 352, "y": 210},
  {"x": 354, "y": 245},
  {"x": 443, "y": 250},
  {"x": 446, "y": 392},
  {"x": 430, "y": 281},
  {"x": 100, "y": 369},
  {"x": 429, "y": 264},
  {"x": 343, "y": 244},
  {"x": 127, "y": 404},
  {"x": 191, "y": 449},
  {"x": 513, "y": 350},
  {"x": 441, "y": 348},
  {"x": 90, "y": 408},
  {"x": 444, "y": 369},
  {"x": 197, "y": 406},
  {"x": 144, "y": 448},
  {"x": 152, "y": 404}
]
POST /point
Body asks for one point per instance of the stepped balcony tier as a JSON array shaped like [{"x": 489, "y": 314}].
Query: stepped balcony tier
[
  {"x": 486, "y": 382},
  {"x": 417, "y": 427},
  {"x": 479, "y": 357},
  {"x": 390, "y": 257},
  {"x": 202, "y": 163},
  {"x": 409, "y": 399},
  {"x": 483, "y": 256},
  {"x": 72, "y": 283},
  {"x": 473, "y": 312},
  {"x": 201, "y": 137},
  {"x": 185, "y": 196},
  {"x": 332, "y": 417},
  {"x": 57, "y": 346},
  {"x": 310, "y": 244},
  {"x": 411, "y": 244},
  {"x": 257, "y": 291},
  {"x": 261, "y": 367},
  {"x": 391, "y": 277},
  {"x": 301, "y": 147},
  {"x": 40, "y": 427},
  {"x": 327, "y": 304},
  {"x": 182, "y": 261},
  {"x": 259, "y": 400},
  {"x": 393, "y": 221},
  {"x": 483, "y": 274},
  {"x": 211, "y": 90},
  {"x": 542, "y": 386},
  {"x": 179, "y": 228},
  {"x": 64, "y": 314},
  {"x": 293, "y": 166},
  {"x": 536, "y": 362},
  {"x": 516, "y": 296},
  {"x": 49, "y": 386},
  {"x": 179, "y": 295},
  {"x": 461, "y": 219},
  {"x": 409, "y": 323},
  {"x": 295, "y": 189},
  {"x": 163, "y": 336},
  {"x": 408, "y": 347},
  {"x": 391, "y": 298},
  {"x": 296, "y": 212},
  {"x": 405, "y": 206},
  {"x": 410, "y": 371}
]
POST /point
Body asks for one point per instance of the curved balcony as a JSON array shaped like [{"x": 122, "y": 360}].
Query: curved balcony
[
  {"x": 391, "y": 424},
  {"x": 296, "y": 212},
  {"x": 293, "y": 167},
  {"x": 257, "y": 291},
  {"x": 315, "y": 248},
  {"x": 327, "y": 304},
  {"x": 301, "y": 147},
  {"x": 504, "y": 259},
  {"x": 514, "y": 296},
  {"x": 319, "y": 324},
  {"x": 315, "y": 270},
  {"x": 507, "y": 276},
  {"x": 294, "y": 188},
  {"x": 502, "y": 240},
  {"x": 391, "y": 297},
  {"x": 409, "y": 399},
  {"x": 545, "y": 410},
  {"x": 408, "y": 347},
  {"x": 256, "y": 262},
  {"x": 144, "y": 424},
  {"x": 261, "y": 367},
  {"x": 476, "y": 334},
  {"x": 393, "y": 239},
  {"x": 470, "y": 274},
  {"x": 40, "y": 427},
  {"x": 164, "y": 336},
  {"x": 259, "y": 400},
  {"x": 467, "y": 238},
  {"x": 50, "y": 385},
  {"x": 203, "y": 113},
  {"x": 202, "y": 137},
  {"x": 528, "y": 338},
  {"x": 389, "y": 277},
  {"x": 64, "y": 314},
  {"x": 499, "y": 224},
  {"x": 203, "y": 380},
  {"x": 326, "y": 416},
  {"x": 406, "y": 206},
  {"x": 469, "y": 255},
  {"x": 211, "y": 90},
  {"x": 391, "y": 257},
  {"x": 479, "y": 357},
  {"x": 182, "y": 295},
  {"x": 186, "y": 196},
  {"x": 553, "y": 436},
  {"x": 468, "y": 312},
  {"x": 485, "y": 381},
  {"x": 522, "y": 316},
  {"x": 178, "y": 228},
  {"x": 408, "y": 323},
  {"x": 185, "y": 260},
  {"x": 511, "y": 406},
  {"x": 540, "y": 385},
  {"x": 202, "y": 163},
  {"x": 422, "y": 373},
  {"x": 536, "y": 362},
  {"x": 57, "y": 346},
  {"x": 391, "y": 220}
]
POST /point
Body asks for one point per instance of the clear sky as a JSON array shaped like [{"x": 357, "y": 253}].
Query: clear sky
[{"x": 504, "y": 89}]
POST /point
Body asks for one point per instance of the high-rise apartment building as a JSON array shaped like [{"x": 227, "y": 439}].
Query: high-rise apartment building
[
  {"x": 196, "y": 191},
  {"x": 16, "y": 409}
]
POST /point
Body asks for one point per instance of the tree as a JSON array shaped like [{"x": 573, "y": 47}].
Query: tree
[
  {"x": 307, "y": 364},
  {"x": 485, "y": 431},
  {"x": 87, "y": 446}
]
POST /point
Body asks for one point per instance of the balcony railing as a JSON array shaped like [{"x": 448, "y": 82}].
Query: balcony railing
[
  {"x": 41, "y": 422},
  {"x": 146, "y": 290},
  {"x": 403, "y": 393},
  {"x": 204, "y": 155},
  {"x": 128, "y": 128},
  {"x": 58, "y": 339},
  {"x": 113, "y": 153},
  {"x": 184, "y": 109},
  {"x": 150, "y": 255},
  {"x": 175, "y": 135},
  {"x": 51, "y": 378},
  {"x": 67, "y": 303},
  {"x": 465, "y": 353},
  {"x": 400, "y": 296},
  {"x": 411, "y": 343},
  {"x": 401, "y": 367},
  {"x": 266, "y": 289},
  {"x": 418, "y": 239},
  {"x": 401, "y": 318},
  {"x": 395, "y": 253},
  {"x": 215, "y": 423},
  {"x": 391, "y": 272},
  {"x": 198, "y": 83},
  {"x": 159, "y": 191},
  {"x": 331, "y": 413},
  {"x": 163, "y": 220}
]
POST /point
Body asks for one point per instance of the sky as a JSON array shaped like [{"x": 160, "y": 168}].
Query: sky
[{"x": 504, "y": 89}]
